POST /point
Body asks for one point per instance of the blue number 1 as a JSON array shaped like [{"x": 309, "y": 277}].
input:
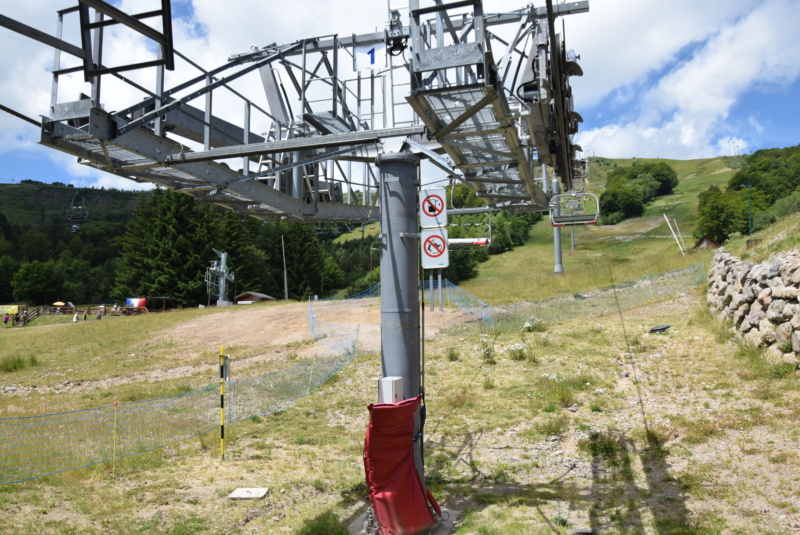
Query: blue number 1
[{"x": 371, "y": 54}]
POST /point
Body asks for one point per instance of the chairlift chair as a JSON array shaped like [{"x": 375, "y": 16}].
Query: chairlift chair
[
  {"x": 574, "y": 208},
  {"x": 77, "y": 212}
]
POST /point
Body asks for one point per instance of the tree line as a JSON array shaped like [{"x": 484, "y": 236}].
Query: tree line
[
  {"x": 165, "y": 247},
  {"x": 630, "y": 189},
  {"x": 766, "y": 188}
]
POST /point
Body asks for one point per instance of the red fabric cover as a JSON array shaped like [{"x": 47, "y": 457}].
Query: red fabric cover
[{"x": 395, "y": 490}]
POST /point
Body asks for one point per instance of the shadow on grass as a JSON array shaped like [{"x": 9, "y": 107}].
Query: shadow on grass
[
  {"x": 619, "y": 500},
  {"x": 632, "y": 489},
  {"x": 326, "y": 523}
]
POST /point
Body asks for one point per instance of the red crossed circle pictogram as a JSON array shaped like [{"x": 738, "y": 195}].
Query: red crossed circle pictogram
[
  {"x": 433, "y": 205},
  {"x": 434, "y": 246}
]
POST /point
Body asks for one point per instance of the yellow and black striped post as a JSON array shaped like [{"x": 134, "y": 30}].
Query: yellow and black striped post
[{"x": 222, "y": 401}]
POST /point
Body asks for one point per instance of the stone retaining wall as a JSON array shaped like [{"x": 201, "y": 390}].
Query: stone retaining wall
[{"x": 760, "y": 299}]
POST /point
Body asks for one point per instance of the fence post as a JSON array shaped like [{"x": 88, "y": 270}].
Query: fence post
[
  {"x": 311, "y": 375},
  {"x": 222, "y": 401},
  {"x": 114, "y": 455}
]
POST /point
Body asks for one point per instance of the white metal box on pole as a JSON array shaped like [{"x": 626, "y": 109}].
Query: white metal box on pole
[{"x": 390, "y": 390}]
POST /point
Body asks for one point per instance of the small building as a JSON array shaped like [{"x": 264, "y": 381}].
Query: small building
[
  {"x": 706, "y": 243},
  {"x": 248, "y": 298}
]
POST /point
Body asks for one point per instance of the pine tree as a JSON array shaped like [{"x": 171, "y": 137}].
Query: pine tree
[
  {"x": 131, "y": 263},
  {"x": 305, "y": 260},
  {"x": 236, "y": 237},
  {"x": 167, "y": 249}
]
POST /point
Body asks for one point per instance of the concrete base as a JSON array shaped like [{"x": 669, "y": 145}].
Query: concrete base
[
  {"x": 445, "y": 527},
  {"x": 248, "y": 494}
]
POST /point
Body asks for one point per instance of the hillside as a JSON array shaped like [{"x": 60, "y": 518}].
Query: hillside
[
  {"x": 684, "y": 433},
  {"x": 42, "y": 208},
  {"x": 604, "y": 253},
  {"x": 45, "y": 204}
]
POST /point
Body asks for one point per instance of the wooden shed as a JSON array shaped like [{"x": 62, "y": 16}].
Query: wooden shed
[
  {"x": 706, "y": 243},
  {"x": 247, "y": 298}
]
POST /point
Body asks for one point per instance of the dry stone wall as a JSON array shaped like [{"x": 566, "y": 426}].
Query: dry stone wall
[{"x": 760, "y": 299}]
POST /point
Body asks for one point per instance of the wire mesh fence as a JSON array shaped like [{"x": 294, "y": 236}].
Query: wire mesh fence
[
  {"x": 596, "y": 302},
  {"x": 484, "y": 318},
  {"x": 36, "y": 446}
]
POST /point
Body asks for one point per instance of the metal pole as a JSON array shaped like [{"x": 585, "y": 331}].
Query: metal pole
[
  {"x": 285, "y": 279},
  {"x": 440, "y": 290},
  {"x": 246, "y": 139},
  {"x": 673, "y": 235},
  {"x": 400, "y": 323},
  {"x": 430, "y": 288},
  {"x": 559, "y": 266},
  {"x": 97, "y": 55},
  {"x": 223, "y": 280}
]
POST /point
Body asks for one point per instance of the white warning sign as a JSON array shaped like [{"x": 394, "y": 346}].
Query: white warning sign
[
  {"x": 433, "y": 208},
  {"x": 435, "y": 254}
]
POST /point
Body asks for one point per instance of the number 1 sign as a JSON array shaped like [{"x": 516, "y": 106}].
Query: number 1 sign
[{"x": 370, "y": 56}]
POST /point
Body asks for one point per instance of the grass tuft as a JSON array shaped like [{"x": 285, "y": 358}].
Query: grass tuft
[{"x": 16, "y": 363}]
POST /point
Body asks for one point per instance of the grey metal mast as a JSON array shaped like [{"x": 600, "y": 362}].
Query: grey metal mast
[{"x": 400, "y": 308}]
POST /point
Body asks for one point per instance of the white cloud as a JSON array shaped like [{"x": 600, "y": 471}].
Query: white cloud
[
  {"x": 687, "y": 107},
  {"x": 660, "y": 78}
]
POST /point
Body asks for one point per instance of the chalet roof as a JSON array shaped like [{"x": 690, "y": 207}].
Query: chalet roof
[{"x": 257, "y": 295}]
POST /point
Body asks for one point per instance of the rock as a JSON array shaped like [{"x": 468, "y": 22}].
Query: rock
[
  {"x": 573, "y": 408},
  {"x": 758, "y": 273},
  {"x": 765, "y": 296},
  {"x": 741, "y": 314},
  {"x": 624, "y": 374},
  {"x": 749, "y": 293},
  {"x": 767, "y": 329},
  {"x": 775, "y": 268},
  {"x": 783, "y": 332},
  {"x": 790, "y": 310},
  {"x": 775, "y": 311},
  {"x": 796, "y": 342},
  {"x": 790, "y": 292},
  {"x": 753, "y": 338},
  {"x": 755, "y": 316}
]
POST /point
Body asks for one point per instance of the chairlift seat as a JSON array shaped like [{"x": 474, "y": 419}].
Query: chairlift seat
[{"x": 574, "y": 209}]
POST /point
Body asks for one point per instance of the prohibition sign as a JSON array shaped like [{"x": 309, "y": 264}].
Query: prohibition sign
[
  {"x": 433, "y": 205},
  {"x": 434, "y": 246}
]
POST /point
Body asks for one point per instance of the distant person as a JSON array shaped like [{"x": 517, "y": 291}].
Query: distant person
[
  {"x": 86, "y": 314},
  {"x": 5, "y": 321},
  {"x": 75, "y": 317}
]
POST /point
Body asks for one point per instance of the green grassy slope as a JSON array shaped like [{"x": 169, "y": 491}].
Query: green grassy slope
[{"x": 603, "y": 253}]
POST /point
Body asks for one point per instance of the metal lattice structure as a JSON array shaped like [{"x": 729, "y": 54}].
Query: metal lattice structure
[{"x": 484, "y": 97}]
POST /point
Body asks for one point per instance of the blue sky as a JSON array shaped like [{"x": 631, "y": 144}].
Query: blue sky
[{"x": 679, "y": 79}]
